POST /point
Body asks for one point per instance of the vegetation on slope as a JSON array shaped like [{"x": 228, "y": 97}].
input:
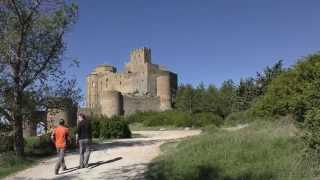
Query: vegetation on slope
[{"x": 264, "y": 150}]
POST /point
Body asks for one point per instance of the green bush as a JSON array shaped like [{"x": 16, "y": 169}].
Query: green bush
[
  {"x": 72, "y": 144},
  {"x": 39, "y": 146},
  {"x": 293, "y": 92},
  {"x": 175, "y": 118},
  {"x": 106, "y": 128},
  {"x": 167, "y": 118},
  {"x": 95, "y": 125},
  {"x": 9, "y": 163},
  {"x": 114, "y": 127},
  {"x": 206, "y": 119},
  {"x": 312, "y": 134},
  {"x": 238, "y": 118},
  {"x": 179, "y": 119},
  {"x": 43, "y": 145},
  {"x": 6, "y": 143}
]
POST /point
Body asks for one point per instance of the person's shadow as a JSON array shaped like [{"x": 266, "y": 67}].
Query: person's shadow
[
  {"x": 99, "y": 163},
  {"x": 92, "y": 165}
]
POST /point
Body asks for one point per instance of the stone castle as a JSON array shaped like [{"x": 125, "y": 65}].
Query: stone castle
[{"x": 142, "y": 86}]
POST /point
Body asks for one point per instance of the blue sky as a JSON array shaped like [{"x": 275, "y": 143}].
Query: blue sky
[{"x": 202, "y": 40}]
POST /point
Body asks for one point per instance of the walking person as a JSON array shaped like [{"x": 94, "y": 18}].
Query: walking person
[
  {"x": 60, "y": 136},
  {"x": 84, "y": 138}
]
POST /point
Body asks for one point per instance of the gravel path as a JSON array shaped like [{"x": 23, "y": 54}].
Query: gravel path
[{"x": 117, "y": 160}]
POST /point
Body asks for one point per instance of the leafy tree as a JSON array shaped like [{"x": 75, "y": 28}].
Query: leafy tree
[
  {"x": 269, "y": 73},
  {"x": 294, "y": 92},
  {"x": 200, "y": 99},
  {"x": 212, "y": 100},
  {"x": 247, "y": 92},
  {"x": 185, "y": 100},
  {"x": 227, "y": 97},
  {"x": 31, "y": 49}
]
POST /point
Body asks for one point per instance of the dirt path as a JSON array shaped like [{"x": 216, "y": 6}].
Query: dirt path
[{"x": 116, "y": 160}]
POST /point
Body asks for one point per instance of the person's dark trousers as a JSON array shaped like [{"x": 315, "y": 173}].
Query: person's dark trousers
[
  {"x": 60, "y": 163},
  {"x": 84, "y": 152}
]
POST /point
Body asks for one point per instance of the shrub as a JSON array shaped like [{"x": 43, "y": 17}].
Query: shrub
[
  {"x": 39, "y": 146},
  {"x": 10, "y": 163},
  {"x": 312, "y": 134},
  {"x": 205, "y": 119},
  {"x": 115, "y": 127},
  {"x": 167, "y": 118},
  {"x": 95, "y": 125},
  {"x": 179, "y": 119},
  {"x": 6, "y": 143},
  {"x": 106, "y": 128},
  {"x": 293, "y": 92},
  {"x": 43, "y": 145},
  {"x": 238, "y": 118},
  {"x": 175, "y": 118},
  {"x": 72, "y": 144}
]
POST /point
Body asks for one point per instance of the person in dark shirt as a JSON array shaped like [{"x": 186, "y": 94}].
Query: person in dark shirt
[{"x": 84, "y": 137}]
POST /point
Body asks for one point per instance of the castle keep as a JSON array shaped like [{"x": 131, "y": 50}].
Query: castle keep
[{"x": 142, "y": 86}]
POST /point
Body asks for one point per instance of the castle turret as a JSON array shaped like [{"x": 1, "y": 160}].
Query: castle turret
[
  {"x": 111, "y": 103},
  {"x": 92, "y": 91},
  {"x": 141, "y": 55},
  {"x": 164, "y": 92},
  {"x": 105, "y": 68}
]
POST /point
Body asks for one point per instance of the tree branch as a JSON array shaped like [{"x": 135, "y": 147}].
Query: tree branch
[
  {"x": 45, "y": 63},
  {"x": 17, "y": 11}
]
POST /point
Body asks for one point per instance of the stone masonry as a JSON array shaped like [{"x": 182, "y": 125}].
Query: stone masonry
[{"x": 142, "y": 86}]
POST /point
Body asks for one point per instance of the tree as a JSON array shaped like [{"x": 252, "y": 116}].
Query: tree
[
  {"x": 269, "y": 73},
  {"x": 200, "y": 99},
  {"x": 227, "y": 95},
  {"x": 295, "y": 91},
  {"x": 212, "y": 100},
  {"x": 246, "y": 93},
  {"x": 185, "y": 100},
  {"x": 31, "y": 49}
]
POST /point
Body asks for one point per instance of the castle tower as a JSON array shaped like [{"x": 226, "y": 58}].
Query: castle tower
[
  {"x": 93, "y": 86},
  {"x": 141, "y": 55},
  {"x": 111, "y": 103},
  {"x": 92, "y": 91},
  {"x": 164, "y": 92}
]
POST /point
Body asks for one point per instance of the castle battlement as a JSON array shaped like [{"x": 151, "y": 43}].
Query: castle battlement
[
  {"x": 140, "y": 55},
  {"x": 111, "y": 93}
]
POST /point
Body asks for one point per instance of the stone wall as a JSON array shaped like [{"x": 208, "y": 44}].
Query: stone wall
[{"x": 142, "y": 104}]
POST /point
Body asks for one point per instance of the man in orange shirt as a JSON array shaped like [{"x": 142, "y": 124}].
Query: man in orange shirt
[{"x": 60, "y": 136}]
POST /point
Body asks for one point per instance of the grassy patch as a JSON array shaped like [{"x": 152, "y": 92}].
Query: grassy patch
[
  {"x": 263, "y": 151},
  {"x": 10, "y": 164}
]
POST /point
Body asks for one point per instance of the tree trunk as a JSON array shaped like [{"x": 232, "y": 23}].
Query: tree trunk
[
  {"x": 19, "y": 141},
  {"x": 18, "y": 118}
]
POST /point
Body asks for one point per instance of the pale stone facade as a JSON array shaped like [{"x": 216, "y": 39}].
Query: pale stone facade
[{"x": 142, "y": 86}]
